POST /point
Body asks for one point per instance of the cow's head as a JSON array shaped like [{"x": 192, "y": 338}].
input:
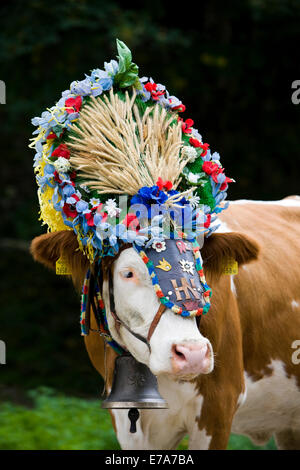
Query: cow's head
[{"x": 177, "y": 346}]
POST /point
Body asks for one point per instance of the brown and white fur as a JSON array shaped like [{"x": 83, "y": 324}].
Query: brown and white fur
[{"x": 247, "y": 382}]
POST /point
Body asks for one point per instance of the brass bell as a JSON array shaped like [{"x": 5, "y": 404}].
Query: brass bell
[{"x": 134, "y": 386}]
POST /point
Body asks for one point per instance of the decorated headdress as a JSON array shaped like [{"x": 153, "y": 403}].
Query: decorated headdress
[{"x": 114, "y": 135}]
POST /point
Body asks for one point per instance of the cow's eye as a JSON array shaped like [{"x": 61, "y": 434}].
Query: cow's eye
[{"x": 127, "y": 274}]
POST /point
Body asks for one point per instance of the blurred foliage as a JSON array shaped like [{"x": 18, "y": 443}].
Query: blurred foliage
[
  {"x": 41, "y": 330},
  {"x": 232, "y": 64},
  {"x": 57, "y": 422}
]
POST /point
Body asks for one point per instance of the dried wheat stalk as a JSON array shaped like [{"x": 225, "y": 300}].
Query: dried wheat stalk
[{"x": 118, "y": 151}]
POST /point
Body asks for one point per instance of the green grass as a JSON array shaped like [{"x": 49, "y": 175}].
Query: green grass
[{"x": 58, "y": 422}]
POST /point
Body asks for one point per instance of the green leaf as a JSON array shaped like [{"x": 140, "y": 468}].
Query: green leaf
[
  {"x": 127, "y": 74},
  {"x": 124, "y": 56}
]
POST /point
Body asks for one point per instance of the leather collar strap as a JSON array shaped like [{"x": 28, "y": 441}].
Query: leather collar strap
[{"x": 119, "y": 322}]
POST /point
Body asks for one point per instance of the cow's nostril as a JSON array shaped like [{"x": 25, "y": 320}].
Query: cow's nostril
[
  {"x": 177, "y": 353},
  {"x": 192, "y": 358}
]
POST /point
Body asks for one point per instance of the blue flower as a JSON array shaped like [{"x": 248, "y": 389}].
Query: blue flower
[
  {"x": 82, "y": 88},
  {"x": 82, "y": 206},
  {"x": 37, "y": 159},
  {"x": 150, "y": 198},
  {"x": 68, "y": 190},
  {"x": 116, "y": 232},
  {"x": 97, "y": 89},
  {"x": 101, "y": 81},
  {"x": 106, "y": 83},
  {"x": 111, "y": 67},
  {"x": 42, "y": 121},
  {"x": 144, "y": 94},
  {"x": 215, "y": 155},
  {"x": 149, "y": 195},
  {"x": 46, "y": 179},
  {"x": 97, "y": 74},
  {"x": 102, "y": 230},
  {"x": 174, "y": 101},
  {"x": 131, "y": 236},
  {"x": 221, "y": 178}
]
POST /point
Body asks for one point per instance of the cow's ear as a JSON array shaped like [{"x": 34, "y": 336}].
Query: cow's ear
[
  {"x": 220, "y": 247},
  {"x": 48, "y": 248}
]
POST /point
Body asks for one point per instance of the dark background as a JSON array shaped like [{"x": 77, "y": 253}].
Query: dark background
[{"x": 231, "y": 63}]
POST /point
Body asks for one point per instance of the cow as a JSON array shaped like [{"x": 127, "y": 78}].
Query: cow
[{"x": 237, "y": 371}]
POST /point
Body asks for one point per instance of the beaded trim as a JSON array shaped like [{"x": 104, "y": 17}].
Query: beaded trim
[{"x": 103, "y": 326}]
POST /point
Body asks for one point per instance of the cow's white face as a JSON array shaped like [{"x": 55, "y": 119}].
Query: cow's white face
[{"x": 177, "y": 346}]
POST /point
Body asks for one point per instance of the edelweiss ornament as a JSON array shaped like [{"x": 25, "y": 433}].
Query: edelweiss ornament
[{"x": 187, "y": 266}]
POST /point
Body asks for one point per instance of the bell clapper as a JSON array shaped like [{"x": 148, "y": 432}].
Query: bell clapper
[{"x": 133, "y": 415}]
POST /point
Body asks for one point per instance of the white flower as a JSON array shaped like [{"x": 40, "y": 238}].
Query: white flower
[
  {"x": 111, "y": 208},
  {"x": 159, "y": 246},
  {"x": 192, "y": 178},
  {"x": 187, "y": 266},
  {"x": 94, "y": 201},
  {"x": 190, "y": 153},
  {"x": 193, "y": 200},
  {"x": 62, "y": 165}
]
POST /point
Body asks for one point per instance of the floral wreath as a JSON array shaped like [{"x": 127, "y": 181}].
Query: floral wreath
[{"x": 70, "y": 198}]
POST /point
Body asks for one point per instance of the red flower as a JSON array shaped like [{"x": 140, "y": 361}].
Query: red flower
[
  {"x": 131, "y": 221},
  {"x": 152, "y": 88},
  {"x": 90, "y": 218},
  {"x": 167, "y": 185},
  {"x": 70, "y": 210},
  {"x": 225, "y": 184},
  {"x": 61, "y": 151},
  {"x": 210, "y": 168},
  {"x": 180, "y": 108},
  {"x": 52, "y": 135},
  {"x": 208, "y": 220},
  {"x": 196, "y": 143},
  {"x": 73, "y": 105},
  {"x": 104, "y": 216},
  {"x": 56, "y": 177},
  {"x": 187, "y": 125},
  {"x": 214, "y": 170},
  {"x": 205, "y": 148},
  {"x": 90, "y": 215},
  {"x": 98, "y": 208}
]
